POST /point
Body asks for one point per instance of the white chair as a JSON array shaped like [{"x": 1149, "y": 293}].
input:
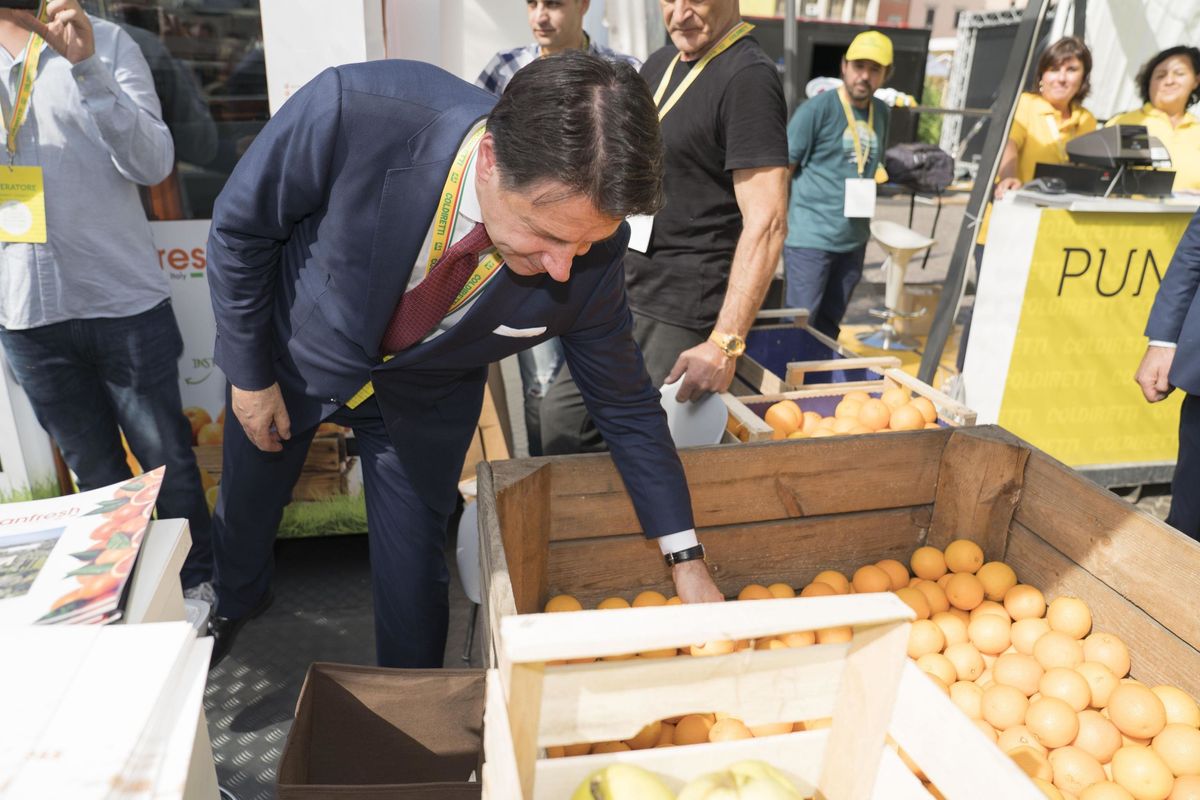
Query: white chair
[
  {"x": 901, "y": 244},
  {"x": 467, "y": 558}
]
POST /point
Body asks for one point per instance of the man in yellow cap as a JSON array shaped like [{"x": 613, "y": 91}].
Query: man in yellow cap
[{"x": 835, "y": 144}]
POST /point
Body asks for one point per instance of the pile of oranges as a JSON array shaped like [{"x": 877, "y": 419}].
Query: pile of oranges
[
  {"x": 1033, "y": 675},
  {"x": 894, "y": 410}
]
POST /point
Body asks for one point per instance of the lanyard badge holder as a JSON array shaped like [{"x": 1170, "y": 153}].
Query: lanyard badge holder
[
  {"x": 22, "y": 189},
  {"x": 641, "y": 226},
  {"x": 860, "y": 192}
]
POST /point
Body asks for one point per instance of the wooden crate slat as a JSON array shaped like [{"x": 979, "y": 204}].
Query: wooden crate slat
[
  {"x": 613, "y": 700},
  {"x": 1147, "y": 561},
  {"x": 497, "y": 595},
  {"x": 327, "y": 453},
  {"x": 979, "y": 485},
  {"x": 1158, "y": 655},
  {"x": 791, "y": 551},
  {"x": 524, "y": 510},
  {"x": 937, "y": 735},
  {"x": 320, "y": 486},
  {"x": 797, "y": 370},
  {"x": 771, "y": 481}
]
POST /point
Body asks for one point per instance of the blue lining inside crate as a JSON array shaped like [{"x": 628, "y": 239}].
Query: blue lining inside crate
[{"x": 776, "y": 347}]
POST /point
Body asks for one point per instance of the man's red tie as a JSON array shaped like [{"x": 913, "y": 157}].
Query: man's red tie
[{"x": 425, "y": 305}]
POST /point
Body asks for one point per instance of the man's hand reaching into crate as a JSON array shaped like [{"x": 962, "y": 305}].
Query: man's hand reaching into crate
[{"x": 693, "y": 584}]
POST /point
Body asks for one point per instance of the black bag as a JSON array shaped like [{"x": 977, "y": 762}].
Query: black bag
[{"x": 923, "y": 168}]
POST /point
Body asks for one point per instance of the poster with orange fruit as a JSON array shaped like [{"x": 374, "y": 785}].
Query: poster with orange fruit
[{"x": 69, "y": 559}]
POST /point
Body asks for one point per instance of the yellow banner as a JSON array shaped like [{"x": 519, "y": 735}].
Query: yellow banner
[{"x": 1070, "y": 388}]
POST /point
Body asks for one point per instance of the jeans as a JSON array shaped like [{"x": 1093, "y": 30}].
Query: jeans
[
  {"x": 91, "y": 379},
  {"x": 539, "y": 365},
  {"x": 822, "y": 282}
]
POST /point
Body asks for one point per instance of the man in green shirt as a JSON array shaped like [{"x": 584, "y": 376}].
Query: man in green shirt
[{"x": 835, "y": 165}]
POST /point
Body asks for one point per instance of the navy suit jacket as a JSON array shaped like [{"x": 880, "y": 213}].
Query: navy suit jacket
[
  {"x": 1175, "y": 315},
  {"x": 312, "y": 243}
]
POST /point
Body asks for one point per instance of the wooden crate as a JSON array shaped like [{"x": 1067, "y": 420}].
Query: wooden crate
[
  {"x": 866, "y": 686},
  {"x": 783, "y": 511},
  {"x": 746, "y": 412},
  {"x": 326, "y": 454}
]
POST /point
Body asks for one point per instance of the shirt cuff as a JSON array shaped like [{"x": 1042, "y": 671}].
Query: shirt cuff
[
  {"x": 1157, "y": 343},
  {"x": 674, "y": 542},
  {"x": 92, "y": 77}
]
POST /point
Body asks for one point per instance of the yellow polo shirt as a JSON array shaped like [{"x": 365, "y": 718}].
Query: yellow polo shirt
[
  {"x": 1041, "y": 137},
  {"x": 1182, "y": 142}
]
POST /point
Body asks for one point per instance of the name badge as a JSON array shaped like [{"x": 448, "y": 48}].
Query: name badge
[
  {"x": 22, "y": 205},
  {"x": 640, "y": 227},
  {"x": 860, "y": 198}
]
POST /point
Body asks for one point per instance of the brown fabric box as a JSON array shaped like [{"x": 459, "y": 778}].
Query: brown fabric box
[{"x": 370, "y": 732}]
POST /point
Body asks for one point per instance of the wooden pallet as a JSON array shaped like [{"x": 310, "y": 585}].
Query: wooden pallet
[
  {"x": 326, "y": 454},
  {"x": 745, "y": 424},
  {"x": 866, "y": 686}
]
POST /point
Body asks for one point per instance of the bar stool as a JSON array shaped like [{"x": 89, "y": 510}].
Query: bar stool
[{"x": 901, "y": 244}]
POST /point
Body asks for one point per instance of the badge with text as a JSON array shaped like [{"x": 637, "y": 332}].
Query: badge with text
[
  {"x": 22, "y": 205},
  {"x": 640, "y": 228},
  {"x": 860, "y": 198}
]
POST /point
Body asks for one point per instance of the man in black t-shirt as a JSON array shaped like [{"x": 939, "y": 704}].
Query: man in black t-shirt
[{"x": 697, "y": 272}]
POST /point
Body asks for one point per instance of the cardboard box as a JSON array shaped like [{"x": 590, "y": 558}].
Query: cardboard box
[{"x": 384, "y": 733}]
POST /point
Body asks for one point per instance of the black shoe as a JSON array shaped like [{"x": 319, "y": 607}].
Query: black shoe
[{"x": 224, "y": 630}]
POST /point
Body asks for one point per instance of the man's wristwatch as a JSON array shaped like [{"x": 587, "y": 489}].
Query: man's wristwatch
[
  {"x": 731, "y": 344},
  {"x": 690, "y": 554}
]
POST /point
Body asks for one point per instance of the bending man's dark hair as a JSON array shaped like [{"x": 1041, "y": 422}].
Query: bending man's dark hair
[
  {"x": 1147, "y": 71},
  {"x": 584, "y": 122}
]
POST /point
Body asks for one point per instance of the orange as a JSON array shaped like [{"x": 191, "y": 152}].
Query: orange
[
  {"x": 198, "y": 418},
  {"x": 927, "y": 409},
  {"x": 784, "y": 416},
  {"x": 755, "y": 591},
  {"x": 928, "y": 563},
  {"x": 874, "y": 414},
  {"x": 562, "y": 602},
  {"x": 906, "y": 418},
  {"x": 963, "y": 555},
  {"x": 895, "y": 397}
]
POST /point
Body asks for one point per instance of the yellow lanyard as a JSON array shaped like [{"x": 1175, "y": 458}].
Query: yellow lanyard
[
  {"x": 443, "y": 229},
  {"x": 861, "y": 151},
  {"x": 446, "y": 218},
  {"x": 727, "y": 41},
  {"x": 33, "y": 55}
]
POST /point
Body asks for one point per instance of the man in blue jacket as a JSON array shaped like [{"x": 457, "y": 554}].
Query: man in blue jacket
[
  {"x": 396, "y": 225},
  {"x": 1173, "y": 360}
]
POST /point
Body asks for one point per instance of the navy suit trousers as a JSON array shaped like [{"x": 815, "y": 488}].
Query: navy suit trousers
[
  {"x": 1185, "y": 499},
  {"x": 409, "y": 577}
]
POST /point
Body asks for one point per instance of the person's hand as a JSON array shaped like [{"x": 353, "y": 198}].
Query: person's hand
[
  {"x": 1152, "y": 373},
  {"x": 263, "y": 416},
  {"x": 69, "y": 31},
  {"x": 1005, "y": 186},
  {"x": 693, "y": 584},
  {"x": 704, "y": 368}
]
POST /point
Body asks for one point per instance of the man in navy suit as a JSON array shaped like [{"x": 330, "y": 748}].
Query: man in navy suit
[
  {"x": 331, "y": 251},
  {"x": 1173, "y": 360}
]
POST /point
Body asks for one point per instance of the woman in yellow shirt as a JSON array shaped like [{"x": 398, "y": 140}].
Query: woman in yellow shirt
[
  {"x": 1169, "y": 85},
  {"x": 1047, "y": 120}
]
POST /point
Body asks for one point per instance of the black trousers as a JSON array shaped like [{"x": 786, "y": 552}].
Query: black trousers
[
  {"x": 1185, "y": 487},
  {"x": 566, "y": 425}
]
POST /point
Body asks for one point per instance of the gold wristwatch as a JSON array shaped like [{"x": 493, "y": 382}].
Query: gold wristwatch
[{"x": 731, "y": 344}]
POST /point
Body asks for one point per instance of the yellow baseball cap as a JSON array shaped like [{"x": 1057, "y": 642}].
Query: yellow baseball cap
[{"x": 871, "y": 46}]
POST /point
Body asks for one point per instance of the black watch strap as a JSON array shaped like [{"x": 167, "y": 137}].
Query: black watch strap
[{"x": 690, "y": 554}]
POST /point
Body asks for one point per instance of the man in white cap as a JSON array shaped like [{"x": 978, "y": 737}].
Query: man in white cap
[{"x": 835, "y": 144}]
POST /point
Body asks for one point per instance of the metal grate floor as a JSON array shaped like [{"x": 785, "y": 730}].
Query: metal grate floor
[{"x": 322, "y": 612}]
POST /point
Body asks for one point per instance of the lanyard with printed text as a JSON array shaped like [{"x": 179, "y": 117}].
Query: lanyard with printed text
[
  {"x": 727, "y": 41},
  {"x": 33, "y": 54},
  {"x": 443, "y": 229},
  {"x": 861, "y": 152},
  {"x": 447, "y": 217}
]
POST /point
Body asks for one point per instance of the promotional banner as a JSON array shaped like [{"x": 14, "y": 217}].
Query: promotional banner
[{"x": 1079, "y": 339}]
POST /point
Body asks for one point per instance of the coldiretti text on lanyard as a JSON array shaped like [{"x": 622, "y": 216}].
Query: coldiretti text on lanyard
[
  {"x": 641, "y": 226},
  {"x": 22, "y": 189},
  {"x": 860, "y": 191},
  {"x": 444, "y": 220}
]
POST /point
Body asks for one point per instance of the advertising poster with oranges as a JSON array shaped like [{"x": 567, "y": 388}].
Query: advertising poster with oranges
[
  {"x": 1079, "y": 339},
  {"x": 69, "y": 559}
]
